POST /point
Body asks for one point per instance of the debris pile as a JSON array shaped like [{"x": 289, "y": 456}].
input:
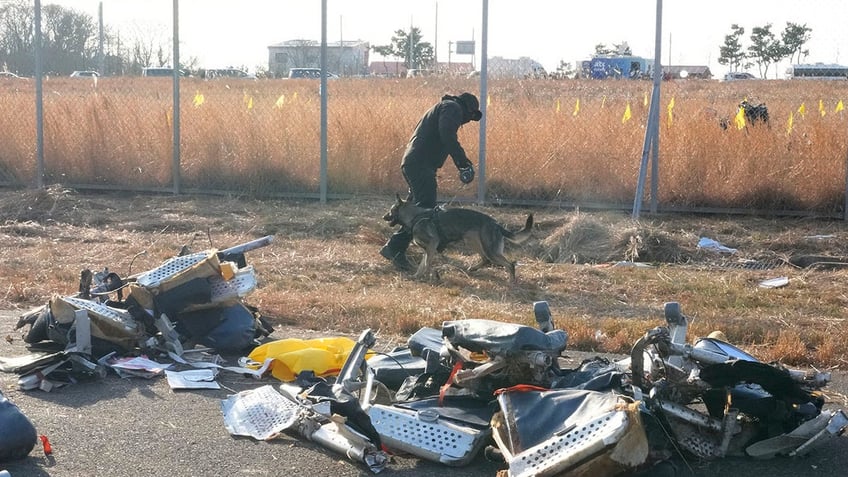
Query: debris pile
[
  {"x": 191, "y": 300},
  {"x": 480, "y": 384}
]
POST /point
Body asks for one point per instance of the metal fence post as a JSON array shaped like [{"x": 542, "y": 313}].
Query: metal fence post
[
  {"x": 484, "y": 94},
  {"x": 175, "y": 166},
  {"x": 39, "y": 101},
  {"x": 323, "y": 172}
]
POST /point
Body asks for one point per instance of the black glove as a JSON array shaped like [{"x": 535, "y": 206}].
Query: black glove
[{"x": 466, "y": 174}]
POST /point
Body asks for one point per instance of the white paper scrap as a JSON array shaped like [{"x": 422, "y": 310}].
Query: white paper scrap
[
  {"x": 775, "y": 282},
  {"x": 192, "y": 379}
]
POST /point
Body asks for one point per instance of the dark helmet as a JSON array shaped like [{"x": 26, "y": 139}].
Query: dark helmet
[{"x": 471, "y": 105}]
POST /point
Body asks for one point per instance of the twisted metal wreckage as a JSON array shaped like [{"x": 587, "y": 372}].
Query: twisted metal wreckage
[
  {"x": 452, "y": 392},
  {"x": 190, "y": 299},
  {"x": 480, "y": 383}
]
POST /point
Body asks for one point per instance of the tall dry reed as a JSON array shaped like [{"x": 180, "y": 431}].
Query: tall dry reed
[{"x": 545, "y": 140}]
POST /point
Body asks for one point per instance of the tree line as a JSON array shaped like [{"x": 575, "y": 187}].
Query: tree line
[
  {"x": 71, "y": 41},
  {"x": 765, "y": 48}
]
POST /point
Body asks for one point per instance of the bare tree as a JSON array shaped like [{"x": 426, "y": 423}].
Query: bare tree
[
  {"x": 68, "y": 39},
  {"x": 17, "y": 38}
]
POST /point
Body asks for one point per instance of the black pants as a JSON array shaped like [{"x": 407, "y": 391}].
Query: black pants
[{"x": 422, "y": 191}]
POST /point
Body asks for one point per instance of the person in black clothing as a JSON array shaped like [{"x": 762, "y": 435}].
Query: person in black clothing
[{"x": 433, "y": 140}]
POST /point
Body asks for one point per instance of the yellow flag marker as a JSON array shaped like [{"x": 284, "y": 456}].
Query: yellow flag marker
[
  {"x": 645, "y": 100},
  {"x": 557, "y": 105},
  {"x": 627, "y": 114},
  {"x": 198, "y": 99},
  {"x": 802, "y": 110},
  {"x": 839, "y": 107},
  {"x": 280, "y": 101},
  {"x": 670, "y": 108},
  {"x": 740, "y": 119},
  {"x": 576, "y": 107},
  {"x": 790, "y": 123},
  {"x": 821, "y": 108}
]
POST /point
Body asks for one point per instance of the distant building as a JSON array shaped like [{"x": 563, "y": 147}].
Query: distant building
[
  {"x": 346, "y": 58},
  {"x": 687, "y": 71},
  {"x": 398, "y": 69},
  {"x": 455, "y": 69},
  {"x": 388, "y": 69},
  {"x": 523, "y": 67}
]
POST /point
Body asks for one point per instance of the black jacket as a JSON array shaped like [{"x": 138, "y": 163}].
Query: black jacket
[{"x": 435, "y": 138}]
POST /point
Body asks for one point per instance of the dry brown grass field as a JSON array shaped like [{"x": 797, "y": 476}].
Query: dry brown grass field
[
  {"x": 562, "y": 141},
  {"x": 323, "y": 270}
]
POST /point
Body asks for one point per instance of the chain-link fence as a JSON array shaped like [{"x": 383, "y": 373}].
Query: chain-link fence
[{"x": 566, "y": 107}]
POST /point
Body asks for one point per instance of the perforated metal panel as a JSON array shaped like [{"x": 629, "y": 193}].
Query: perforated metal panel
[
  {"x": 118, "y": 318},
  {"x": 432, "y": 439},
  {"x": 240, "y": 285},
  {"x": 696, "y": 440},
  {"x": 561, "y": 452},
  {"x": 261, "y": 413},
  {"x": 170, "y": 268}
]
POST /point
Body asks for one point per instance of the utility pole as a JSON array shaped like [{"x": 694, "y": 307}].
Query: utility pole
[{"x": 436, "y": 41}]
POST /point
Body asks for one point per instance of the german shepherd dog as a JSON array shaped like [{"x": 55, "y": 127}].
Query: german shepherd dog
[{"x": 434, "y": 229}]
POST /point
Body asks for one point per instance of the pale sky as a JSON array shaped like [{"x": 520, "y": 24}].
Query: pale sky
[{"x": 228, "y": 32}]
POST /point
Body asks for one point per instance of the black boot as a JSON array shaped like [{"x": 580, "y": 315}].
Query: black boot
[
  {"x": 395, "y": 249},
  {"x": 398, "y": 259}
]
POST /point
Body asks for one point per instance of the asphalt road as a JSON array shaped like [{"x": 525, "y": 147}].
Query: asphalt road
[{"x": 117, "y": 427}]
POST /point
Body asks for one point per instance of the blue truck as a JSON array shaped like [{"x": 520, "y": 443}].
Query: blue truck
[{"x": 620, "y": 67}]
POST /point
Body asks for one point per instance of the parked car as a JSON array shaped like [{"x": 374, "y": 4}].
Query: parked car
[
  {"x": 85, "y": 74},
  {"x": 219, "y": 73},
  {"x": 738, "y": 75},
  {"x": 160, "y": 71},
  {"x": 309, "y": 73}
]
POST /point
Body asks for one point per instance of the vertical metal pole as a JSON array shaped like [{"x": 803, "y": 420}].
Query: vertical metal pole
[
  {"x": 651, "y": 132},
  {"x": 845, "y": 207},
  {"x": 323, "y": 176},
  {"x": 39, "y": 101},
  {"x": 436, "y": 40},
  {"x": 655, "y": 141},
  {"x": 100, "y": 54},
  {"x": 175, "y": 166},
  {"x": 484, "y": 94},
  {"x": 655, "y": 165}
]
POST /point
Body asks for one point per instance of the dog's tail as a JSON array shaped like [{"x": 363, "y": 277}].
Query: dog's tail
[{"x": 523, "y": 234}]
